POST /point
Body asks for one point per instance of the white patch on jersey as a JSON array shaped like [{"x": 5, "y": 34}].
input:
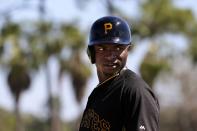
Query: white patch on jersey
[{"x": 142, "y": 127}]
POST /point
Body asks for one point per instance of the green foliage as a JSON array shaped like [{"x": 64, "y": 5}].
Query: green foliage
[
  {"x": 18, "y": 80},
  {"x": 79, "y": 76},
  {"x": 31, "y": 123},
  {"x": 161, "y": 16},
  {"x": 10, "y": 29},
  {"x": 193, "y": 50},
  {"x": 73, "y": 38},
  {"x": 73, "y": 63},
  {"x": 152, "y": 66},
  {"x": 79, "y": 72},
  {"x": 30, "y": 49},
  {"x": 44, "y": 27},
  {"x": 7, "y": 121},
  {"x": 1, "y": 47},
  {"x": 193, "y": 40}
]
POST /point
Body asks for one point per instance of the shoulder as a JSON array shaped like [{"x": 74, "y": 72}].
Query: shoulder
[
  {"x": 133, "y": 80},
  {"x": 139, "y": 104},
  {"x": 135, "y": 86}
]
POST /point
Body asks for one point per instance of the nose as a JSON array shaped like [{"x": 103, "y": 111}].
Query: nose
[{"x": 110, "y": 55}]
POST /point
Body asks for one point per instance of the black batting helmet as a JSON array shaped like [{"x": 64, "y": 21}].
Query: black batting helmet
[{"x": 108, "y": 29}]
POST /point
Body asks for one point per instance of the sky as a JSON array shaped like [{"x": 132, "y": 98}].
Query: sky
[{"x": 33, "y": 100}]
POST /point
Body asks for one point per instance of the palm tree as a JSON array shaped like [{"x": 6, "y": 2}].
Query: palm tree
[
  {"x": 18, "y": 77},
  {"x": 45, "y": 43},
  {"x": 43, "y": 46},
  {"x": 19, "y": 81},
  {"x": 74, "y": 64},
  {"x": 159, "y": 17},
  {"x": 152, "y": 65}
]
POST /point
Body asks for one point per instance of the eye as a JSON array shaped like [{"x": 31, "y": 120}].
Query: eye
[
  {"x": 118, "y": 48},
  {"x": 100, "y": 48}
]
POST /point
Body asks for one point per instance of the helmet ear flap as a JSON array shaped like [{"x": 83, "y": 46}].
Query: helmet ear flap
[{"x": 91, "y": 54}]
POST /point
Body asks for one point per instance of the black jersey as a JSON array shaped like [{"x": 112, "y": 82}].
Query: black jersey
[{"x": 123, "y": 103}]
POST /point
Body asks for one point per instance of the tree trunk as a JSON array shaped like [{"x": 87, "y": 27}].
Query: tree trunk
[
  {"x": 19, "y": 123},
  {"x": 53, "y": 111}
]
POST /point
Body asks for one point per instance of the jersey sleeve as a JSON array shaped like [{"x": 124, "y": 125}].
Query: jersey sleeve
[{"x": 140, "y": 107}]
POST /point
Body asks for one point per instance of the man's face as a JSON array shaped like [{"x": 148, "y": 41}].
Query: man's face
[{"x": 110, "y": 58}]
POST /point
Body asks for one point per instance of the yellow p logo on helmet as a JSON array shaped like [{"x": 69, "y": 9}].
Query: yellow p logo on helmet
[{"x": 107, "y": 26}]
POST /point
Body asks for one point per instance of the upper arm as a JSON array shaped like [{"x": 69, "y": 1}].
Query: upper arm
[{"x": 140, "y": 108}]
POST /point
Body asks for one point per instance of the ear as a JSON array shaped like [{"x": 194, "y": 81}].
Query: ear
[
  {"x": 130, "y": 47},
  {"x": 91, "y": 54}
]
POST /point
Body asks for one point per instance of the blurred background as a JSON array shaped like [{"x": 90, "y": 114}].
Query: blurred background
[{"x": 46, "y": 76}]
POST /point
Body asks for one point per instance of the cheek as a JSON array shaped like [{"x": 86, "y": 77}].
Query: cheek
[
  {"x": 124, "y": 55},
  {"x": 123, "y": 58},
  {"x": 98, "y": 58}
]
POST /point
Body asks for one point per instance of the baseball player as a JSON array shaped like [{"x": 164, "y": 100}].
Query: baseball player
[{"x": 122, "y": 101}]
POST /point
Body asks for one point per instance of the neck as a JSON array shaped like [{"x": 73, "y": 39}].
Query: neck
[
  {"x": 104, "y": 80},
  {"x": 103, "y": 77}
]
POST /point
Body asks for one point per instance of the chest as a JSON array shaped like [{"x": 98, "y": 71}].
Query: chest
[{"x": 106, "y": 105}]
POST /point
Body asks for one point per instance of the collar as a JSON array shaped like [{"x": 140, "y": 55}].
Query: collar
[{"x": 113, "y": 76}]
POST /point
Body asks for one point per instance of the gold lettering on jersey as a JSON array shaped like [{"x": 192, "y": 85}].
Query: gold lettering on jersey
[
  {"x": 107, "y": 26},
  {"x": 91, "y": 120}
]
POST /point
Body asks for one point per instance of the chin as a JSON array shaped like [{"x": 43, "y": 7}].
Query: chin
[{"x": 110, "y": 72}]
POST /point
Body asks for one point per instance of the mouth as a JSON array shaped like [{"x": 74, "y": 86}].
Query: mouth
[{"x": 111, "y": 65}]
